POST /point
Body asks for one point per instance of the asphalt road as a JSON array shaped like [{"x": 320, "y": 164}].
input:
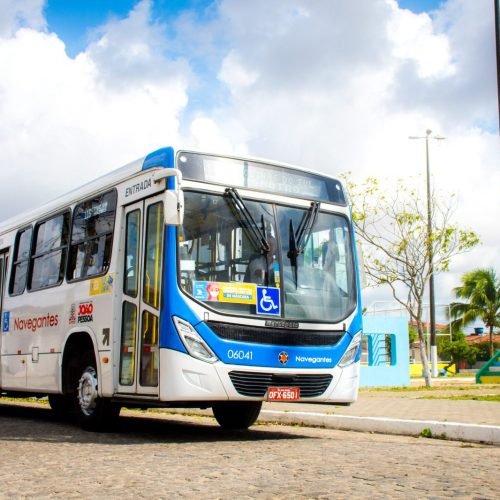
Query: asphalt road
[{"x": 174, "y": 456}]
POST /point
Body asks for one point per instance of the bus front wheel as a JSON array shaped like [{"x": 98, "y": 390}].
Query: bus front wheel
[
  {"x": 93, "y": 412},
  {"x": 236, "y": 414}
]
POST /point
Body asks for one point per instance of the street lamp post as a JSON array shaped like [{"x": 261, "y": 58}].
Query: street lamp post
[{"x": 430, "y": 252}]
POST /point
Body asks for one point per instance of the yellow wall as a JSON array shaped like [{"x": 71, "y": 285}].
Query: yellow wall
[
  {"x": 490, "y": 379},
  {"x": 417, "y": 368}
]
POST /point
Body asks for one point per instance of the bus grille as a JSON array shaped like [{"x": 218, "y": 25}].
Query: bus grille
[
  {"x": 282, "y": 337},
  {"x": 256, "y": 384}
]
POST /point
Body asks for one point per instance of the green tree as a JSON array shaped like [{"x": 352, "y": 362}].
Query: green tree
[
  {"x": 392, "y": 224},
  {"x": 484, "y": 350},
  {"x": 457, "y": 349},
  {"x": 480, "y": 289}
]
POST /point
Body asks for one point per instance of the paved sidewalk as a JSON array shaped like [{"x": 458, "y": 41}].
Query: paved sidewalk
[{"x": 411, "y": 412}]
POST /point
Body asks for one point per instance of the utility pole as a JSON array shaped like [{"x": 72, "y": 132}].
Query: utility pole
[{"x": 430, "y": 252}]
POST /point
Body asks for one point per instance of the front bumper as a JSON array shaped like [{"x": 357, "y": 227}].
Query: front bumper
[{"x": 184, "y": 378}]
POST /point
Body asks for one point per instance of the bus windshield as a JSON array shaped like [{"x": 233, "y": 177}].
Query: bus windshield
[{"x": 257, "y": 258}]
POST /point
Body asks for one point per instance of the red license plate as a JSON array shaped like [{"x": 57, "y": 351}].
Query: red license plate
[{"x": 283, "y": 394}]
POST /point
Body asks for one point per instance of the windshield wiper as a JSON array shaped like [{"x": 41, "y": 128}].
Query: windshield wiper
[
  {"x": 255, "y": 233},
  {"x": 292, "y": 251},
  {"x": 306, "y": 225},
  {"x": 297, "y": 241}
]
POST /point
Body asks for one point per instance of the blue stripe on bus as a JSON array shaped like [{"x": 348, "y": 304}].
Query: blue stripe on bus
[
  {"x": 250, "y": 354},
  {"x": 357, "y": 322},
  {"x": 173, "y": 303},
  {"x": 163, "y": 157}
]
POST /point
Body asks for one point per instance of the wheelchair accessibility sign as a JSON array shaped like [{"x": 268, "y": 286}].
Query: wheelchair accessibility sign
[
  {"x": 6, "y": 321},
  {"x": 268, "y": 300}
]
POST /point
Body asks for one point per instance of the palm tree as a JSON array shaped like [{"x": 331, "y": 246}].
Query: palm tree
[{"x": 481, "y": 290}]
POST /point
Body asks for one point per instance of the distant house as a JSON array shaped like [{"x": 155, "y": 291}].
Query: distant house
[
  {"x": 427, "y": 326},
  {"x": 478, "y": 338}
]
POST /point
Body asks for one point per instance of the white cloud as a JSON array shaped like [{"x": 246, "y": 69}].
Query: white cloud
[
  {"x": 413, "y": 39},
  {"x": 204, "y": 134},
  {"x": 465, "y": 97},
  {"x": 234, "y": 74},
  {"x": 15, "y": 14},
  {"x": 64, "y": 121}
]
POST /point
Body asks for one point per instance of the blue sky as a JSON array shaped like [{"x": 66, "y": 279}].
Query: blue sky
[
  {"x": 89, "y": 85},
  {"x": 73, "y": 20},
  {"x": 419, "y": 6}
]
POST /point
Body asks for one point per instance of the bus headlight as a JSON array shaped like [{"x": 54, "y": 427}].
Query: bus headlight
[
  {"x": 350, "y": 355},
  {"x": 194, "y": 344}
]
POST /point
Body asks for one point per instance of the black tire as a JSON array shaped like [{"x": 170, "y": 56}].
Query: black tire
[
  {"x": 61, "y": 405},
  {"x": 93, "y": 413},
  {"x": 236, "y": 414}
]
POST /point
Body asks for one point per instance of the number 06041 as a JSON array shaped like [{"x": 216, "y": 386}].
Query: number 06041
[{"x": 236, "y": 354}]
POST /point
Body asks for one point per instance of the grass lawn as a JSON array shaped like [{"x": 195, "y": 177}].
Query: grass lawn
[
  {"x": 451, "y": 391},
  {"x": 434, "y": 388},
  {"x": 495, "y": 398}
]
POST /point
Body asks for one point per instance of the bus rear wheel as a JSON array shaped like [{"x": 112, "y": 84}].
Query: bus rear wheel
[
  {"x": 236, "y": 414},
  {"x": 93, "y": 412}
]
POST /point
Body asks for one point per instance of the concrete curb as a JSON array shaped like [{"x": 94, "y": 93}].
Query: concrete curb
[{"x": 489, "y": 434}]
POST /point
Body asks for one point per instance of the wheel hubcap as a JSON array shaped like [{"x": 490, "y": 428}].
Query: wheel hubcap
[{"x": 87, "y": 391}]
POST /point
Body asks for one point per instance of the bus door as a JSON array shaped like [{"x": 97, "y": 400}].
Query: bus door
[
  {"x": 5, "y": 320},
  {"x": 142, "y": 268}
]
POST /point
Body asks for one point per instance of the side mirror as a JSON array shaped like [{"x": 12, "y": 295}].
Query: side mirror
[
  {"x": 174, "y": 197},
  {"x": 174, "y": 207}
]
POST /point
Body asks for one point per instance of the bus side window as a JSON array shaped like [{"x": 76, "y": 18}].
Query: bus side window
[
  {"x": 152, "y": 255},
  {"x": 131, "y": 263},
  {"x": 92, "y": 237},
  {"x": 20, "y": 261},
  {"x": 49, "y": 252}
]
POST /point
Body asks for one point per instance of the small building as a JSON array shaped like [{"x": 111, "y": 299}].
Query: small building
[{"x": 479, "y": 338}]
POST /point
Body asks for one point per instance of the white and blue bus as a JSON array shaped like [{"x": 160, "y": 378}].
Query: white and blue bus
[{"x": 183, "y": 279}]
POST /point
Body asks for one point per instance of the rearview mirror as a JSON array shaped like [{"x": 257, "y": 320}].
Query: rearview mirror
[
  {"x": 174, "y": 206},
  {"x": 174, "y": 197}
]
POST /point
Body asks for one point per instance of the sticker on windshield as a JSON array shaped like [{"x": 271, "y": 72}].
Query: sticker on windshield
[
  {"x": 268, "y": 300},
  {"x": 206, "y": 290},
  {"x": 236, "y": 293}
]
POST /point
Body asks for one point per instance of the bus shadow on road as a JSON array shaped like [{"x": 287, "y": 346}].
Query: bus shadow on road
[{"x": 40, "y": 424}]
